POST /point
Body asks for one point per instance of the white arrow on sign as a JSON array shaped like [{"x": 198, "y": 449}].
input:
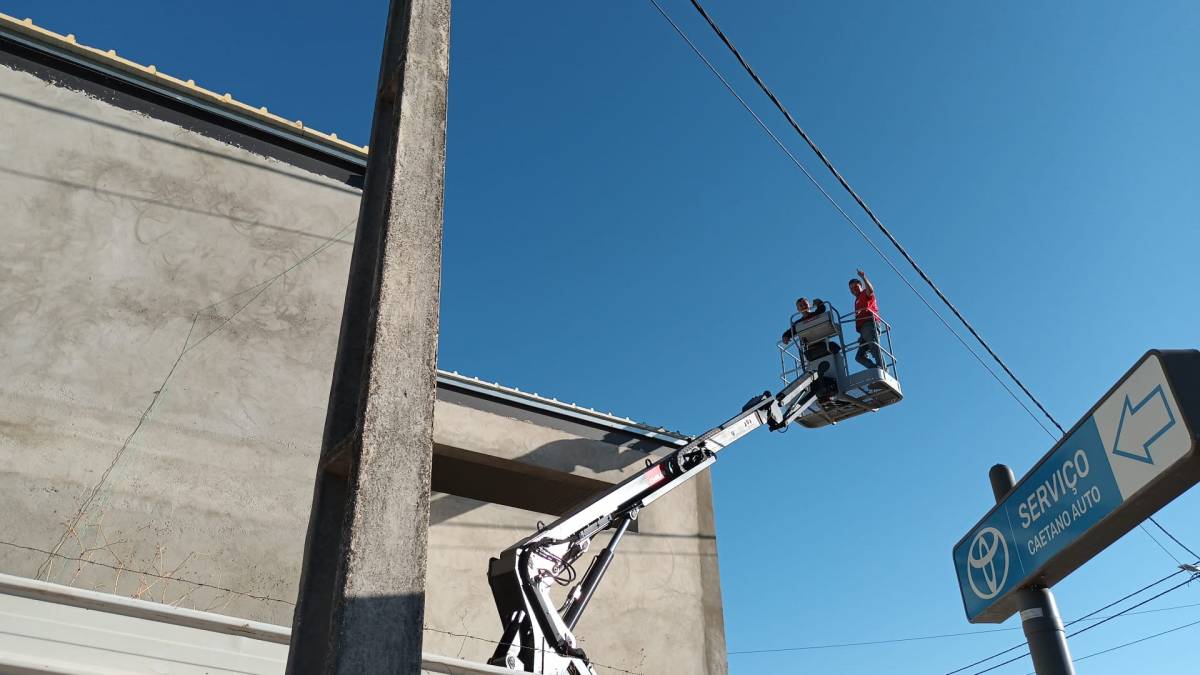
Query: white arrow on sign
[
  {"x": 1142, "y": 428},
  {"x": 1143, "y": 424}
]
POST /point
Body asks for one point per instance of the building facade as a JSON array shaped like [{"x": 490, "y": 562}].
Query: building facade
[{"x": 170, "y": 294}]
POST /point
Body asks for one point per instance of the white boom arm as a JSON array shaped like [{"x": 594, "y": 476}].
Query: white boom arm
[{"x": 537, "y": 635}]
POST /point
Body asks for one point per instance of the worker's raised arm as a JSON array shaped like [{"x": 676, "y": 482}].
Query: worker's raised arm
[{"x": 866, "y": 282}]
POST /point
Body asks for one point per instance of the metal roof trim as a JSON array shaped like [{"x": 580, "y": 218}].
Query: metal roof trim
[
  {"x": 497, "y": 390},
  {"x": 109, "y": 63}
]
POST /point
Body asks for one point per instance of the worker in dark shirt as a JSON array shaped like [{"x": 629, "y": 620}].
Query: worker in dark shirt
[
  {"x": 866, "y": 315},
  {"x": 806, "y": 311}
]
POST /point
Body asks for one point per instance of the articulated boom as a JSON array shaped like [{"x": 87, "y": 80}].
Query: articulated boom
[{"x": 537, "y": 635}]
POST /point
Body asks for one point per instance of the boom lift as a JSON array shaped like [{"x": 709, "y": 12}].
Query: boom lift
[
  {"x": 538, "y": 635},
  {"x": 818, "y": 344}
]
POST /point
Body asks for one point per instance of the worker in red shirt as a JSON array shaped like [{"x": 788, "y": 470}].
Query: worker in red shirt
[{"x": 866, "y": 313}]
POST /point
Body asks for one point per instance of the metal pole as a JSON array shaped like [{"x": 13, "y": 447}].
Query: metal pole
[
  {"x": 362, "y": 585},
  {"x": 1039, "y": 613}
]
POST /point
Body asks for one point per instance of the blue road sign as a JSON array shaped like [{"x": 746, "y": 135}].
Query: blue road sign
[{"x": 1129, "y": 456}]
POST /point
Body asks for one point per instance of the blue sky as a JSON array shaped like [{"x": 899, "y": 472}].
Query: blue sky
[{"x": 620, "y": 233}]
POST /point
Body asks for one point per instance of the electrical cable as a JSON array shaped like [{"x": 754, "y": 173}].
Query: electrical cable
[
  {"x": 1181, "y": 584},
  {"x": 1180, "y": 543},
  {"x": 870, "y": 214},
  {"x": 518, "y": 646},
  {"x": 1084, "y": 630},
  {"x": 887, "y": 233},
  {"x": 1001, "y": 653},
  {"x": 1114, "y": 603},
  {"x": 1157, "y": 543},
  {"x": 875, "y": 219},
  {"x": 140, "y": 572},
  {"x": 1133, "y": 642},
  {"x": 846, "y": 216},
  {"x": 563, "y": 571},
  {"x": 942, "y": 636},
  {"x": 867, "y": 643},
  {"x": 882, "y": 228},
  {"x": 1072, "y": 622}
]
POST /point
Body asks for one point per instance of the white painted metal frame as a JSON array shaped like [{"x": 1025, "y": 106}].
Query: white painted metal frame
[{"x": 49, "y": 628}]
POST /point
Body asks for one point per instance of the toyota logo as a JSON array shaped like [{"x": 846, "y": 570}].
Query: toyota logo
[{"x": 987, "y": 562}]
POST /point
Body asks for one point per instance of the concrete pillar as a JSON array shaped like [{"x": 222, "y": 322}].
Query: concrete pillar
[{"x": 362, "y": 588}]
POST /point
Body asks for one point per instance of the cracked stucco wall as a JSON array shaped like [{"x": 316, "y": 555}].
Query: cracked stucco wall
[
  {"x": 169, "y": 310},
  {"x": 167, "y": 342}
]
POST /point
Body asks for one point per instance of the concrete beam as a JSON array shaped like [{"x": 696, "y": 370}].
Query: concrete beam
[
  {"x": 362, "y": 586},
  {"x": 479, "y": 476}
]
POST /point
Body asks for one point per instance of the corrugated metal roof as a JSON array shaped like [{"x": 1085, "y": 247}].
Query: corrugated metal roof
[{"x": 150, "y": 73}]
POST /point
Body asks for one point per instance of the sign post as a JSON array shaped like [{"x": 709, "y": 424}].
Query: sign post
[
  {"x": 1039, "y": 612},
  {"x": 1132, "y": 454}
]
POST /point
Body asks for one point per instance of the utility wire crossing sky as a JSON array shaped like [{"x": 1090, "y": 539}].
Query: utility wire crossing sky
[{"x": 1039, "y": 158}]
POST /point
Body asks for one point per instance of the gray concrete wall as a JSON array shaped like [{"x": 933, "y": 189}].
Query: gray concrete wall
[{"x": 169, "y": 310}]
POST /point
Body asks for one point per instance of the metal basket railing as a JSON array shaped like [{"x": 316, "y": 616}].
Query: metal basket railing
[
  {"x": 793, "y": 362},
  {"x": 884, "y": 344}
]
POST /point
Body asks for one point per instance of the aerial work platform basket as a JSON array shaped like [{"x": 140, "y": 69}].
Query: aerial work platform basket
[{"x": 847, "y": 388}]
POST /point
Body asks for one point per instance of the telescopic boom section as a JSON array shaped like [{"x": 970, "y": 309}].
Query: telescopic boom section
[{"x": 537, "y": 635}]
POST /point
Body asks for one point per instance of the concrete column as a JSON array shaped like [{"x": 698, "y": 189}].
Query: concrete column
[{"x": 362, "y": 588}]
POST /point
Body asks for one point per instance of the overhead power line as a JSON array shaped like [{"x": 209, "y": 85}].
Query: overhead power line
[
  {"x": 1158, "y": 543},
  {"x": 882, "y": 228},
  {"x": 1085, "y": 617},
  {"x": 945, "y": 636},
  {"x": 867, "y": 643},
  {"x": 1181, "y": 544},
  {"x": 866, "y": 209},
  {"x": 1090, "y": 616},
  {"x": 121, "y": 568},
  {"x": 1133, "y": 642},
  {"x": 838, "y": 207},
  {"x": 1152, "y": 598},
  {"x": 1084, "y": 630},
  {"x": 1114, "y": 603},
  {"x": 875, "y": 219}
]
